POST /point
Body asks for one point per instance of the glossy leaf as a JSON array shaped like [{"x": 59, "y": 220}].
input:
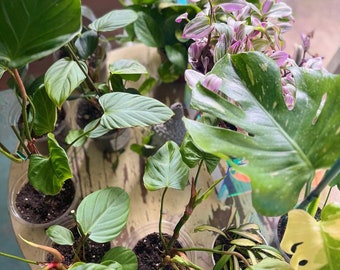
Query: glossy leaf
[
  {"x": 285, "y": 146},
  {"x": 128, "y": 69},
  {"x": 103, "y": 214},
  {"x": 60, "y": 235},
  {"x": 129, "y": 110},
  {"x": 114, "y": 20},
  {"x": 148, "y": 31},
  {"x": 166, "y": 169},
  {"x": 316, "y": 244},
  {"x": 48, "y": 174},
  {"x": 45, "y": 113},
  {"x": 86, "y": 44},
  {"x": 32, "y": 29},
  {"x": 62, "y": 78},
  {"x": 124, "y": 256}
]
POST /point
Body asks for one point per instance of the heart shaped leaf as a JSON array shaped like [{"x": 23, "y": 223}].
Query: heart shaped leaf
[
  {"x": 103, "y": 214},
  {"x": 62, "y": 78},
  {"x": 32, "y": 29},
  {"x": 60, "y": 235},
  {"x": 166, "y": 169},
  {"x": 48, "y": 174},
  {"x": 129, "y": 110},
  {"x": 284, "y": 147},
  {"x": 315, "y": 244}
]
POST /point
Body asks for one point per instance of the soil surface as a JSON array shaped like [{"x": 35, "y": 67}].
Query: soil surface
[
  {"x": 92, "y": 253},
  {"x": 87, "y": 112},
  {"x": 150, "y": 252},
  {"x": 36, "y": 207}
]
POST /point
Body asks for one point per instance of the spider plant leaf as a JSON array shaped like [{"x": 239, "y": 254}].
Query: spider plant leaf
[
  {"x": 243, "y": 242},
  {"x": 249, "y": 226},
  {"x": 270, "y": 264},
  {"x": 269, "y": 250},
  {"x": 209, "y": 228},
  {"x": 249, "y": 235},
  {"x": 252, "y": 257},
  {"x": 284, "y": 147},
  {"x": 166, "y": 169},
  {"x": 33, "y": 29}
]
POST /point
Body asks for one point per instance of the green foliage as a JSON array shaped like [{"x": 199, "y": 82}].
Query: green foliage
[
  {"x": 103, "y": 214},
  {"x": 283, "y": 147},
  {"x": 48, "y": 174},
  {"x": 32, "y": 29},
  {"x": 166, "y": 169},
  {"x": 313, "y": 244}
]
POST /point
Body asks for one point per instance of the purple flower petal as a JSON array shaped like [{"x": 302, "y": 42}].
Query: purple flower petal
[
  {"x": 181, "y": 17},
  {"x": 212, "y": 82},
  {"x": 192, "y": 77}
]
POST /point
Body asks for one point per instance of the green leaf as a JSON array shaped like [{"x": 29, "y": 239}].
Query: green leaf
[
  {"x": 48, "y": 174},
  {"x": 128, "y": 69},
  {"x": 192, "y": 155},
  {"x": 177, "y": 55},
  {"x": 243, "y": 242},
  {"x": 129, "y": 110},
  {"x": 124, "y": 256},
  {"x": 45, "y": 112},
  {"x": 270, "y": 264},
  {"x": 32, "y": 29},
  {"x": 95, "y": 266},
  {"x": 316, "y": 243},
  {"x": 166, "y": 169},
  {"x": 73, "y": 135},
  {"x": 86, "y": 44},
  {"x": 148, "y": 31},
  {"x": 60, "y": 235},
  {"x": 114, "y": 20},
  {"x": 285, "y": 147},
  {"x": 103, "y": 214},
  {"x": 62, "y": 78}
]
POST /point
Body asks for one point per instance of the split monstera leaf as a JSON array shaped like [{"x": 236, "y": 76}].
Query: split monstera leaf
[{"x": 282, "y": 147}]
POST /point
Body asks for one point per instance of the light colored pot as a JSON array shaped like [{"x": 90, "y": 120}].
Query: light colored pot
[
  {"x": 15, "y": 213},
  {"x": 113, "y": 141}
]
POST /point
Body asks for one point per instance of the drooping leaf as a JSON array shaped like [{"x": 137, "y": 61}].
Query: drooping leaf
[
  {"x": 60, "y": 235},
  {"x": 86, "y": 44},
  {"x": 129, "y": 110},
  {"x": 32, "y": 29},
  {"x": 103, "y": 214},
  {"x": 124, "y": 256},
  {"x": 316, "y": 244},
  {"x": 270, "y": 264},
  {"x": 114, "y": 20},
  {"x": 62, "y": 78},
  {"x": 284, "y": 147},
  {"x": 48, "y": 174},
  {"x": 166, "y": 169}
]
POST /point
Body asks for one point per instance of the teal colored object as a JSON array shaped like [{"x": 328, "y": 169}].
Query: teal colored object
[
  {"x": 234, "y": 183},
  {"x": 182, "y": 2}
]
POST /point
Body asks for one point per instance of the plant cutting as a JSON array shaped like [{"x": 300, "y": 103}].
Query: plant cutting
[{"x": 96, "y": 221}]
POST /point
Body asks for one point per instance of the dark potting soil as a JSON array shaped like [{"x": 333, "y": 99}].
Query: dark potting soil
[
  {"x": 87, "y": 112},
  {"x": 92, "y": 253},
  {"x": 36, "y": 207},
  {"x": 150, "y": 252}
]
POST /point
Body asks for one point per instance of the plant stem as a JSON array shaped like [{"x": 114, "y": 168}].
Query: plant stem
[
  {"x": 166, "y": 247},
  {"x": 18, "y": 258},
  {"x": 88, "y": 78},
  {"x": 327, "y": 178},
  {"x": 23, "y": 95}
]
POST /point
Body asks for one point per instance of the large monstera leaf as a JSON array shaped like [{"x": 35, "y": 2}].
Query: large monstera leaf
[
  {"x": 32, "y": 29},
  {"x": 313, "y": 244},
  {"x": 284, "y": 147}
]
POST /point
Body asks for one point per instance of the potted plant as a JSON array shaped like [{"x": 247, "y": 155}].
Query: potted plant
[
  {"x": 47, "y": 174},
  {"x": 95, "y": 221}
]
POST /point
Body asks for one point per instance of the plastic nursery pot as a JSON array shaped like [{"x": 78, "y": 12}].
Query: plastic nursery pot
[
  {"x": 139, "y": 236},
  {"x": 94, "y": 252},
  {"x": 38, "y": 210},
  {"x": 220, "y": 240},
  {"x": 113, "y": 141}
]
